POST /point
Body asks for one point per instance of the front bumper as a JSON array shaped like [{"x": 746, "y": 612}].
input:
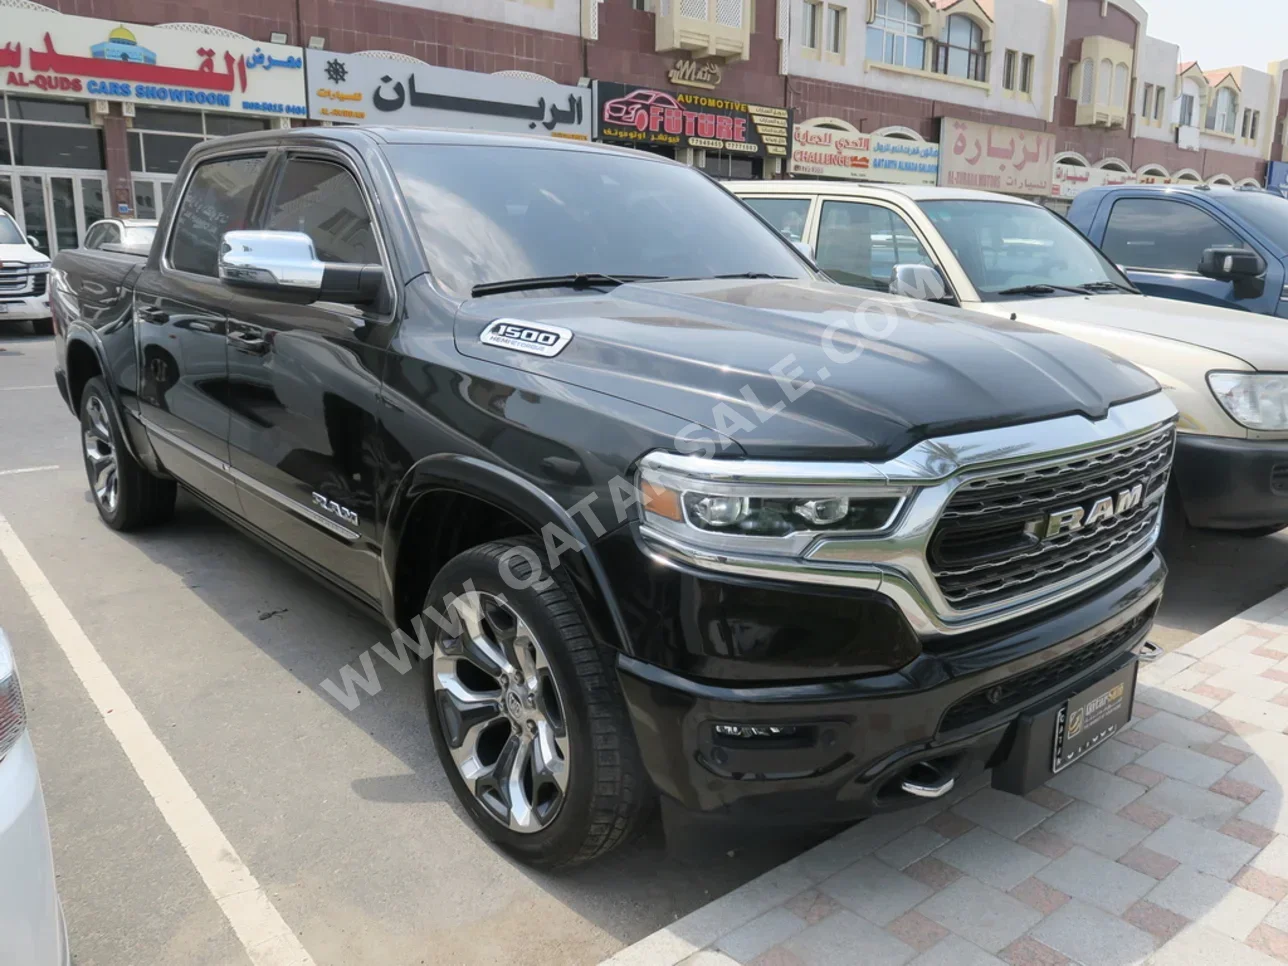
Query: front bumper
[
  {"x": 953, "y": 709},
  {"x": 31, "y": 919},
  {"x": 24, "y": 309},
  {"x": 1232, "y": 484}
]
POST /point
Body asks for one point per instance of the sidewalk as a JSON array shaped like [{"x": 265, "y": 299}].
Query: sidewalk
[{"x": 1167, "y": 845}]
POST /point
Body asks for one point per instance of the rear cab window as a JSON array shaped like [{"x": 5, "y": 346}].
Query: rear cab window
[{"x": 217, "y": 200}]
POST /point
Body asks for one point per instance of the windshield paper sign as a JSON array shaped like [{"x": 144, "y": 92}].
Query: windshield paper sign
[
  {"x": 356, "y": 88},
  {"x": 51, "y": 53},
  {"x": 641, "y": 115},
  {"x": 995, "y": 158},
  {"x": 822, "y": 150}
]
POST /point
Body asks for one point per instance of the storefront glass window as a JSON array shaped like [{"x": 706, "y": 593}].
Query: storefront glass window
[
  {"x": 158, "y": 119},
  {"x": 221, "y": 125},
  {"x": 6, "y": 156},
  {"x": 44, "y": 146},
  {"x": 53, "y": 112},
  {"x": 728, "y": 168},
  {"x": 164, "y": 153},
  {"x": 6, "y": 194}
]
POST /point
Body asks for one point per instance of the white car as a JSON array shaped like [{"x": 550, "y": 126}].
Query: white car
[
  {"x": 24, "y": 279},
  {"x": 32, "y": 931},
  {"x": 1225, "y": 371}
]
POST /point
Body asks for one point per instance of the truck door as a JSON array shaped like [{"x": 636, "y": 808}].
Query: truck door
[
  {"x": 304, "y": 385},
  {"x": 181, "y": 327},
  {"x": 1159, "y": 242}
]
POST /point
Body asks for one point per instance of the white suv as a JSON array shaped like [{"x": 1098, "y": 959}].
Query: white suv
[{"x": 24, "y": 279}]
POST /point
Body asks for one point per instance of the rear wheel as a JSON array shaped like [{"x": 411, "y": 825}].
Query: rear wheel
[
  {"x": 527, "y": 715},
  {"x": 127, "y": 495}
]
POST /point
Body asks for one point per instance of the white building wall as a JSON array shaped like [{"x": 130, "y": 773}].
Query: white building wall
[
  {"x": 1157, "y": 66},
  {"x": 1026, "y": 26},
  {"x": 1255, "y": 88}
]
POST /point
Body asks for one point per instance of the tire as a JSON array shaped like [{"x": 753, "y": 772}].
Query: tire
[
  {"x": 606, "y": 794},
  {"x": 126, "y": 494},
  {"x": 43, "y": 326}
]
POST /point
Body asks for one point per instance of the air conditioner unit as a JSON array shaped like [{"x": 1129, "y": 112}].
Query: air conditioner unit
[
  {"x": 127, "y": 109},
  {"x": 102, "y": 107},
  {"x": 283, "y": 123}
]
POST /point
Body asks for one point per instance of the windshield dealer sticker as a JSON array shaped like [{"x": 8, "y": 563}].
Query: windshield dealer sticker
[{"x": 519, "y": 336}]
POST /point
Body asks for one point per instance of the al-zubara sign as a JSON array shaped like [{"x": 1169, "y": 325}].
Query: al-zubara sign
[{"x": 80, "y": 57}]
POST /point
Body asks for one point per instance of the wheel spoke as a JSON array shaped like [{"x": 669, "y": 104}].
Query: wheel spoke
[
  {"x": 471, "y": 714},
  {"x": 548, "y": 758},
  {"x": 522, "y": 816},
  {"x": 478, "y": 648}
]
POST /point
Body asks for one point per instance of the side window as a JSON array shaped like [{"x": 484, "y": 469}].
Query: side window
[
  {"x": 323, "y": 201},
  {"x": 216, "y": 201},
  {"x": 111, "y": 235},
  {"x": 1154, "y": 233},
  {"x": 786, "y": 214},
  {"x": 860, "y": 244},
  {"x": 94, "y": 237}
]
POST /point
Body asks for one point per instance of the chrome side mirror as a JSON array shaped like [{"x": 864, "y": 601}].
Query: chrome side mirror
[
  {"x": 272, "y": 260},
  {"x": 918, "y": 282},
  {"x": 284, "y": 264},
  {"x": 31, "y": 240}
]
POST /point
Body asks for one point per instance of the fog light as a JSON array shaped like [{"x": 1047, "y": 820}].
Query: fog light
[{"x": 756, "y": 731}]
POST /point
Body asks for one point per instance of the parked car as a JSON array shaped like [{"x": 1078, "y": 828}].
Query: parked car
[
  {"x": 1225, "y": 371},
  {"x": 126, "y": 236},
  {"x": 1207, "y": 244},
  {"x": 31, "y": 917},
  {"x": 456, "y": 364},
  {"x": 24, "y": 276}
]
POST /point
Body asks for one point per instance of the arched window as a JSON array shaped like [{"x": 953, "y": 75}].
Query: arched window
[
  {"x": 1087, "y": 91},
  {"x": 897, "y": 35},
  {"x": 960, "y": 51},
  {"x": 1120, "y": 86},
  {"x": 1222, "y": 114},
  {"x": 1104, "y": 83}
]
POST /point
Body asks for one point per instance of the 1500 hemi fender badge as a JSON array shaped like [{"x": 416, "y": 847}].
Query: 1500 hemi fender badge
[{"x": 530, "y": 337}]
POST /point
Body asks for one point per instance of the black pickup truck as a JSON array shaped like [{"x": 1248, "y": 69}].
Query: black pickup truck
[{"x": 668, "y": 514}]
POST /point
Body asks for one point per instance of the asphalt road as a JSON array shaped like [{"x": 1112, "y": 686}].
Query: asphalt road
[{"x": 345, "y": 818}]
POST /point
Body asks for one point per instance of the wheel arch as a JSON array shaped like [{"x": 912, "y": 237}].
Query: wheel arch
[
  {"x": 444, "y": 489},
  {"x": 83, "y": 363}
]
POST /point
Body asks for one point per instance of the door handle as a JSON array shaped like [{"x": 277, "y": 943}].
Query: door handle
[
  {"x": 150, "y": 313},
  {"x": 249, "y": 342}
]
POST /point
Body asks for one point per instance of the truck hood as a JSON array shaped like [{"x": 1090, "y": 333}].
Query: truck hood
[
  {"x": 1256, "y": 339},
  {"x": 21, "y": 253},
  {"x": 706, "y": 352}
]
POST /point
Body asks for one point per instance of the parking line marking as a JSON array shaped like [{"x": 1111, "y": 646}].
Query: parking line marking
[
  {"x": 28, "y": 469},
  {"x": 49, "y": 385},
  {"x": 264, "y": 934}
]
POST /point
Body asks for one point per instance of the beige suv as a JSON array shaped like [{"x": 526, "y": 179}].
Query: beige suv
[{"x": 1226, "y": 371}]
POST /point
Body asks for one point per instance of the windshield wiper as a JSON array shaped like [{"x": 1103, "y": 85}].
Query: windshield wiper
[
  {"x": 579, "y": 280},
  {"x": 1108, "y": 286},
  {"x": 751, "y": 275},
  {"x": 1040, "y": 290}
]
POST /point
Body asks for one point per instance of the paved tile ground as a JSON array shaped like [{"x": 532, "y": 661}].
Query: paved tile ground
[{"x": 1166, "y": 846}]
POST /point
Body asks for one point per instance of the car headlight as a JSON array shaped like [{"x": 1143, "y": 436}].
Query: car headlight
[
  {"x": 735, "y": 506},
  {"x": 38, "y": 267},
  {"x": 1257, "y": 400},
  {"x": 13, "y": 714}
]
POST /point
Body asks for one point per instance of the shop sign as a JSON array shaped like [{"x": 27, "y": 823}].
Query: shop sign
[
  {"x": 375, "y": 90},
  {"x": 1070, "y": 180},
  {"x": 995, "y": 158},
  {"x": 641, "y": 115},
  {"x": 687, "y": 72},
  {"x": 824, "y": 152},
  {"x": 53, "y": 53}
]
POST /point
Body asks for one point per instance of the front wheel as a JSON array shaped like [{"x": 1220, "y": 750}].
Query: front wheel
[
  {"x": 126, "y": 494},
  {"x": 527, "y": 714}
]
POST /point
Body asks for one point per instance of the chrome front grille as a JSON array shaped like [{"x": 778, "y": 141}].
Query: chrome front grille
[
  {"x": 17, "y": 280},
  {"x": 995, "y": 540}
]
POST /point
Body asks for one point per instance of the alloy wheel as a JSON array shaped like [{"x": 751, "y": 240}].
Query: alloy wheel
[
  {"x": 501, "y": 712},
  {"x": 100, "y": 452}
]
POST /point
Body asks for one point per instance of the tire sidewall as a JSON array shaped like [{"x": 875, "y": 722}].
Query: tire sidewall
[{"x": 563, "y": 838}]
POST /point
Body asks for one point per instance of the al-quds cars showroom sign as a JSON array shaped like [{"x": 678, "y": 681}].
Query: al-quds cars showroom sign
[
  {"x": 53, "y": 53},
  {"x": 375, "y": 90}
]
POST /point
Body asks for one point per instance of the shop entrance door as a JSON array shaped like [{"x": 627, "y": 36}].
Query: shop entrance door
[
  {"x": 151, "y": 195},
  {"x": 54, "y": 207}
]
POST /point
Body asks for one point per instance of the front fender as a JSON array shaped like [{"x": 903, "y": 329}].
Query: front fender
[{"x": 510, "y": 492}]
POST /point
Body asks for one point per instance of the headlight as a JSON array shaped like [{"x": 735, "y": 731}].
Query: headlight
[
  {"x": 735, "y": 506},
  {"x": 38, "y": 267},
  {"x": 1257, "y": 400},
  {"x": 13, "y": 715}
]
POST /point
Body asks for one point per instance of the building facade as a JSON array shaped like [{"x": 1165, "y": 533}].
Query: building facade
[{"x": 103, "y": 98}]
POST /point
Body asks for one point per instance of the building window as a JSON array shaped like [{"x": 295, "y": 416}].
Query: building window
[
  {"x": 1009, "y": 62},
  {"x": 1026, "y": 73},
  {"x": 836, "y": 30},
  {"x": 1160, "y": 102},
  {"x": 1087, "y": 82},
  {"x": 1256, "y": 125},
  {"x": 1147, "y": 101},
  {"x": 897, "y": 35},
  {"x": 161, "y": 138},
  {"x": 1247, "y": 121},
  {"x": 809, "y": 25},
  {"x": 960, "y": 51},
  {"x": 1223, "y": 114},
  {"x": 1121, "y": 83},
  {"x": 1187, "y": 110},
  {"x": 640, "y": 5}
]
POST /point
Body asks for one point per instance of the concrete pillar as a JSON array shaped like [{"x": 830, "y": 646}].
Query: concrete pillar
[{"x": 120, "y": 190}]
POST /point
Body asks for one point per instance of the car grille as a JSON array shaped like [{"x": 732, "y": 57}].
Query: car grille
[
  {"x": 17, "y": 280},
  {"x": 1023, "y": 687},
  {"x": 989, "y": 545}
]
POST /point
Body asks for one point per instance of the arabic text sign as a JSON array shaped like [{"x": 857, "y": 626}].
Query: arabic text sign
[
  {"x": 828, "y": 153},
  {"x": 53, "y": 53},
  {"x": 1071, "y": 180},
  {"x": 995, "y": 158},
  {"x": 373, "y": 90},
  {"x": 641, "y": 115}
]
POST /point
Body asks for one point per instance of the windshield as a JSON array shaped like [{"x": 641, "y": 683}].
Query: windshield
[
  {"x": 1266, "y": 212},
  {"x": 9, "y": 233},
  {"x": 490, "y": 214},
  {"x": 1003, "y": 246}
]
